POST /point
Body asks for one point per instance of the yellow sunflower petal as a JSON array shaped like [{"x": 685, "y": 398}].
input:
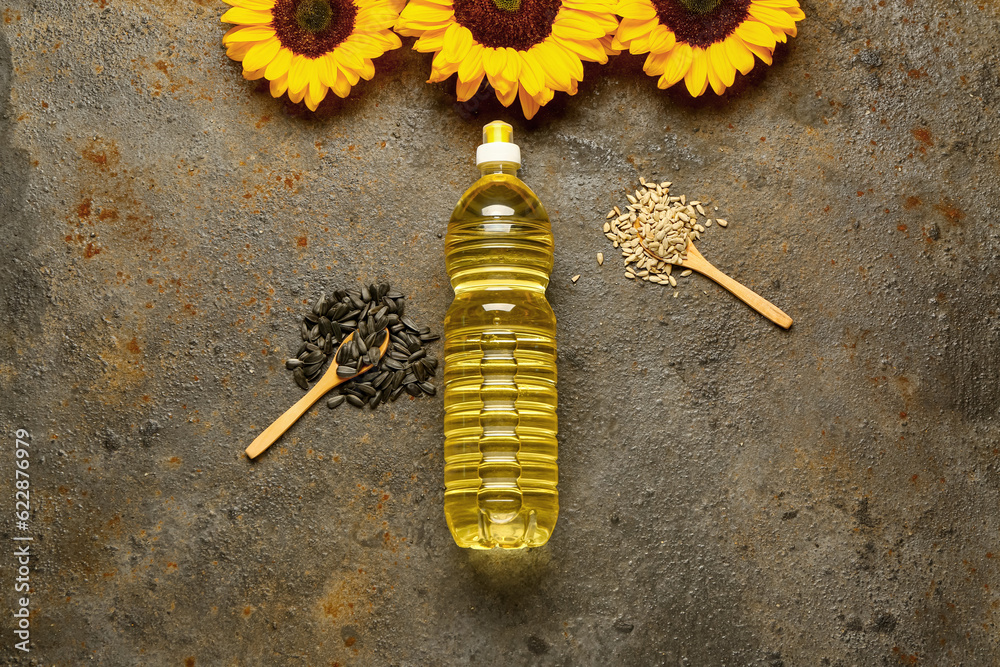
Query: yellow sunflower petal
[
  {"x": 678, "y": 64},
  {"x": 315, "y": 93},
  {"x": 739, "y": 55},
  {"x": 262, "y": 54},
  {"x": 532, "y": 74},
  {"x": 754, "y": 32},
  {"x": 507, "y": 96},
  {"x": 326, "y": 69},
  {"x": 586, "y": 50},
  {"x": 253, "y": 74},
  {"x": 472, "y": 66},
  {"x": 512, "y": 68},
  {"x": 367, "y": 70},
  {"x": 772, "y": 17},
  {"x": 720, "y": 64},
  {"x": 493, "y": 63},
  {"x": 352, "y": 76},
  {"x": 655, "y": 63},
  {"x": 279, "y": 65},
  {"x": 259, "y": 5},
  {"x": 239, "y": 51},
  {"x": 713, "y": 77},
  {"x": 299, "y": 73},
  {"x": 441, "y": 69},
  {"x": 342, "y": 88},
  {"x": 661, "y": 39},
  {"x": 246, "y": 16},
  {"x": 761, "y": 52},
  {"x": 557, "y": 74},
  {"x": 529, "y": 105},
  {"x": 457, "y": 42},
  {"x": 466, "y": 89},
  {"x": 630, "y": 9},
  {"x": 545, "y": 96},
  {"x": 279, "y": 85},
  {"x": 631, "y": 29},
  {"x": 248, "y": 33},
  {"x": 296, "y": 96},
  {"x": 696, "y": 79},
  {"x": 347, "y": 57},
  {"x": 430, "y": 41},
  {"x": 577, "y": 26}
]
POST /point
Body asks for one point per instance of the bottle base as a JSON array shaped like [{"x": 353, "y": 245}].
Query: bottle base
[{"x": 483, "y": 533}]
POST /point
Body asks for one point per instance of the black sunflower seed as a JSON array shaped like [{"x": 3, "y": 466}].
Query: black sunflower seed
[
  {"x": 365, "y": 294},
  {"x": 395, "y": 393},
  {"x": 389, "y": 362},
  {"x": 428, "y": 337},
  {"x": 355, "y": 401},
  {"x": 336, "y": 402},
  {"x": 346, "y": 371},
  {"x": 410, "y": 324},
  {"x": 320, "y": 306},
  {"x": 397, "y": 379},
  {"x": 365, "y": 388},
  {"x": 360, "y": 343},
  {"x": 428, "y": 388},
  {"x": 300, "y": 378},
  {"x": 302, "y": 348},
  {"x": 383, "y": 289},
  {"x": 375, "y": 400},
  {"x": 373, "y": 355},
  {"x": 419, "y": 354},
  {"x": 292, "y": 364},
  {"x": 393, "y": 295},
  {"x": 409, "y": 378},
  {"x": 413, "y": 389},
  {"x": 313, "y": 357}
]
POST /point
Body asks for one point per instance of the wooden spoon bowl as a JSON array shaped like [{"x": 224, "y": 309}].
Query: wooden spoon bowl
[
  {"x": 329, "y": 380},
  {"x": 696, "y": 262}
]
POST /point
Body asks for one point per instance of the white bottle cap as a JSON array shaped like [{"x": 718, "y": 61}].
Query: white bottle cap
[{"x": 497, "y": 144}]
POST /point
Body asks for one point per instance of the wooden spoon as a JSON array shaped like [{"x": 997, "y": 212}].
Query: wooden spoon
[
  {"x": 696, "y": 262},
  {"x": 329, "y": 380}
]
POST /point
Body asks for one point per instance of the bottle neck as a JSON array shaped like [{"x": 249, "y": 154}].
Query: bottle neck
[{"x": 509, "y": 168}]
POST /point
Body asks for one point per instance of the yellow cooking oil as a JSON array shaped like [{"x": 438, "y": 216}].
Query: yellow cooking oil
[{"x": 500, "y": 359}]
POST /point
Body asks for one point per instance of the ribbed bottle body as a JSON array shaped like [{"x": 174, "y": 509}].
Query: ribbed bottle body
[{"x": 500, "y": 369}]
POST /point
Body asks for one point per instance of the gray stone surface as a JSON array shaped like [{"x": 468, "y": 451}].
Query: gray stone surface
[{"x": 732, "y": 494}]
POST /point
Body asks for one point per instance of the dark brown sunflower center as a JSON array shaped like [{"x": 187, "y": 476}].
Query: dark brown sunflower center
[
  {"x": 702, "y": 22},
  {"x": 701, "y": 6},
  {"x": 313, "y": 15},
  {"x": 519, "y": 24},
  {"x": 313, "y": 27}
]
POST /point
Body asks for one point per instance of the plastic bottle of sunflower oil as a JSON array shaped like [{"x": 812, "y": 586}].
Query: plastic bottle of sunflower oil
[{"x": 500, "y": 359}]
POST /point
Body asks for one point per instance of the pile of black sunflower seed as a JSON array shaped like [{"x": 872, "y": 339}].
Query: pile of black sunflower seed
[{"x": 369, "y": 312}]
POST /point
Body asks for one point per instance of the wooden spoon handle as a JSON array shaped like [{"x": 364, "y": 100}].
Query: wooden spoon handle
[
  {"x": 696, "y": 262},
  {"x": 285, "y": 421}
]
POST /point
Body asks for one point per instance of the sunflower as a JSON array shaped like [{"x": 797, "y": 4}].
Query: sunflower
[
  {"x": 526, "y": 49},
  {"x": 309, "y": 47},
  {"x": 704, "y": 42}
]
